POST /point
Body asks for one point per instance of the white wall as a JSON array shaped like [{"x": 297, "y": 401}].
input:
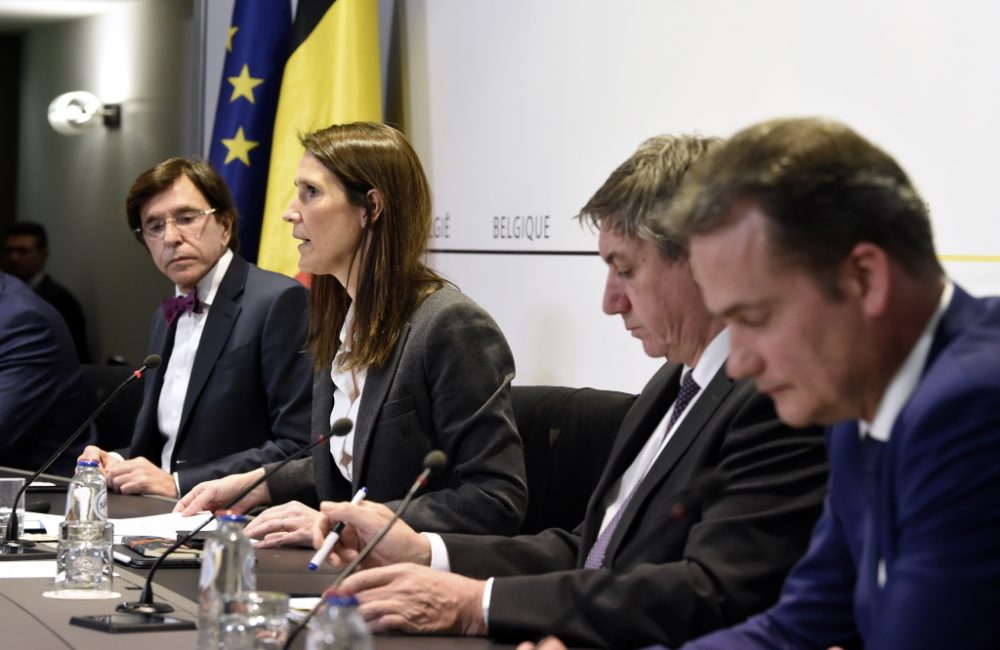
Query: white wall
[{"x": 523, "y": 107}]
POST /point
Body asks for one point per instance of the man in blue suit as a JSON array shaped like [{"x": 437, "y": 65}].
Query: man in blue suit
[
  {"x": 42, "y": 396},
  {"x": 814, "y": 246},
  {"x": 235, "y": 389}
]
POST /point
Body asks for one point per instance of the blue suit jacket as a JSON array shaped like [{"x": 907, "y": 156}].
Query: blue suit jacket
[
  {"x": 42, "y": 396},
  {"x": 249, "y": 395},
  {"x": 923, "y": 512}
]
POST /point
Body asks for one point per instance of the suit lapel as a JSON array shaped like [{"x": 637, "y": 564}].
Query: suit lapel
[
  {"x": 638, "y": 425},
  {"x": 162, "y": 341},
  {"x": 377, "y": 384},
  {"x": 222, "y": 317},
  {"x": 148, "y": 441},
  {"x": 687, "y": 432},
  {"x": 322, "y": 406}
]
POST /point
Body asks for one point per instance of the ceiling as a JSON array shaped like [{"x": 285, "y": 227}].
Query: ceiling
[{"x": 20, "y": 15}]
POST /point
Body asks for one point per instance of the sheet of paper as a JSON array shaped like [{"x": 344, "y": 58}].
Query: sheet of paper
[
  {"x": 165, "y": 525},
  {"x": 50, "y": 521},
  {"x": 28, "y": 569}
]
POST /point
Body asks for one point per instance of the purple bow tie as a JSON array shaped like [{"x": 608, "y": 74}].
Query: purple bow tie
[{"x": 174, "y": 307}]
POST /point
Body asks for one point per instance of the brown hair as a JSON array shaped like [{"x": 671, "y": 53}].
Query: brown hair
[
  {"x": 161, "y": 176},
  {"x": 393, "y": 277},
  {"x": 822, "y": 188},
  {"x": 643, "y": 186}
]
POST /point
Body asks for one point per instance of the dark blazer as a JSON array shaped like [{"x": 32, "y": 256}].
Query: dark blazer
[
  {"x": 670, "y": 578},
  {"x": 248, "y": 399},
  {"x": 924, "y": 506},
  {"x": 66, "y": 304},
  {"x": 446, "y": 386},
  {"x": 42, "y": 396}
]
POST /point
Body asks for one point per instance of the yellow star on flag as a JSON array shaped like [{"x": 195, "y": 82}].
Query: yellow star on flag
[
  {"x": 244, "y": 84},
  {"x": 229, "y": 41},
  {"x": 238, "y": 147}
]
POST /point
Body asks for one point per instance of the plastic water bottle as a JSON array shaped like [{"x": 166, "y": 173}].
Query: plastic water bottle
[
  {"x": 87, "y": 497},
  {"x": 338, "y": 626},
  {"x": 227, "y": 567}
]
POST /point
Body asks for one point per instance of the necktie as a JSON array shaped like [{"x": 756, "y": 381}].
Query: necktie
[
  {"x": 873, "y": 554},
  {"x": 174, "y": 307},
  {"x": 595, "y": 558}
]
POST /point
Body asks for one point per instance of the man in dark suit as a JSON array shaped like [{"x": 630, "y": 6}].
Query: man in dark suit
[
  {"x": 26, "y": 250},
  {"x": 233, "y": 391},
  {"x": 42, "y": 396},
  {"x": 817, "y": 249},
  {"x": 685, "y": 562}
]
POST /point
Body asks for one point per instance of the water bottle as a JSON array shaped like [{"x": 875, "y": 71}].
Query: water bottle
[
  {"x": 227, "y": 568},
  {"x": 338, "y": 626},
  {"x": 87, "y": 497}
]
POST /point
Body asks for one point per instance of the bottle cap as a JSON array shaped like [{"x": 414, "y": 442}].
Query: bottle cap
[
  {"x": 334, "y": 600},
  {"x": 229, "y": 515},
  {"x": 87, "y": 463}
]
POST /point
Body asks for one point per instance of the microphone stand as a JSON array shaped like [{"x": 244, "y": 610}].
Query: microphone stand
[
  {"x": 433, "y": 461},
  {"x": 146, "y": 604},
  {"x": 145, "y": 614},
  {"x": 13, "y": 548}
]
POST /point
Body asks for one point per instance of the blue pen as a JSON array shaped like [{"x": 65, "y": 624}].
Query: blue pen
[{"x": 334, "y": 535}]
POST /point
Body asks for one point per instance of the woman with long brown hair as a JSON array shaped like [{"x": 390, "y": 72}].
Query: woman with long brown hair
[{"x": 412, "y": 361}]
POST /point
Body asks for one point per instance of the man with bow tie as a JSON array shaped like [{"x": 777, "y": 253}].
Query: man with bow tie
[{"x": 234, "y": 389}]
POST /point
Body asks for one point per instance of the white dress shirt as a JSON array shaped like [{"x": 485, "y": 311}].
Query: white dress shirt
[
  {"x": 348, "y": 385},
  {"x": 906, "y": 379},
  {"x": 178, "y": 373}
]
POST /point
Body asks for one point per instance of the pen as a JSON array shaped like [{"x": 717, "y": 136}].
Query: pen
[{"x": 334, "y": 535}]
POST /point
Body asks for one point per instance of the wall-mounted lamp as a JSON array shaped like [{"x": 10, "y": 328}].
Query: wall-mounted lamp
[{"x": 76, "y": 112}]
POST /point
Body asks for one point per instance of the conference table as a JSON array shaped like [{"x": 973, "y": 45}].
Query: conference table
[{"x": 30, "y": 620}]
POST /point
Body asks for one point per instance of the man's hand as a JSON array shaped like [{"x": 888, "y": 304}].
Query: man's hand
[
  {"x": 289, "y": 524},
  {"x": 214, "y": 495},
  {"x": 139, "y": 476},
  {"x": 418, "y": 600},
  {"x": 104, "y": 458},
  {"x": 401, "y": 543}
]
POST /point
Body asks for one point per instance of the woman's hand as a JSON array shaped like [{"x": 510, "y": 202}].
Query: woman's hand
[{"x": 214, "y": 495}]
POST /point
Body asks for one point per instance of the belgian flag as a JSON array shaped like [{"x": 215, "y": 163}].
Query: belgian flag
[{"x": 332, "y": 75}]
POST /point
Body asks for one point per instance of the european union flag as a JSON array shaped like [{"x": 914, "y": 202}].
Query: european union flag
[{"x": 256, "y": 51}]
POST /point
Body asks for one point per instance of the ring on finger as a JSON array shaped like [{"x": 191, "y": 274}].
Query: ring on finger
[{"x": 281, "y": 525}]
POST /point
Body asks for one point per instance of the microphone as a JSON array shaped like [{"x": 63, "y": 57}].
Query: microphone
[
  {"x": 707, "y": 488},
  {"x": 434, "y": 461},
  {"x": 11, "y": 545},
  {"x": 146, "y": 605}
]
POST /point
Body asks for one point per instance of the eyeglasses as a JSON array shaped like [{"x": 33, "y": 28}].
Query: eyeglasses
[{"x": 189, "y": 223}]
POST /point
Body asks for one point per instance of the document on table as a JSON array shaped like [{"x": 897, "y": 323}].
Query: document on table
[
  {"x": 28, "y": 569},
  {"x": 165, "y": 525}
]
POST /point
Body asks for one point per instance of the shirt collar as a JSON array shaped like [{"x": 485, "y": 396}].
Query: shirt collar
[
  {"x": 906, "y": 379},
  {"x": 711, "y": 360},
  {"x": 209, "y": 284}
]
